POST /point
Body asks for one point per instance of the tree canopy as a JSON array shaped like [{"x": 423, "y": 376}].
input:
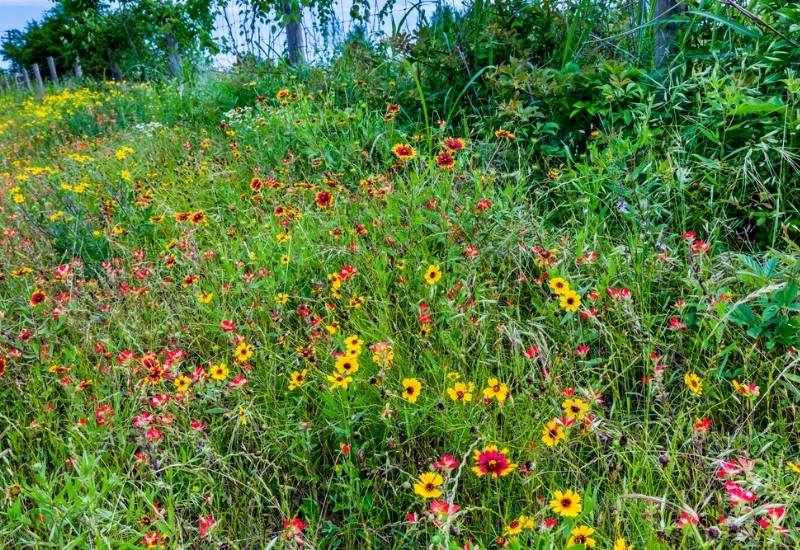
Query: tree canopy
[{"x": 115, "y": 40}]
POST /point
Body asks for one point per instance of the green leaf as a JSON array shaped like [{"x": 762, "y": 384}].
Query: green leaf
[
  {"x": 744, "y": 315},
  {"x": 752, "y": 105},
  {"x": 733, "y": 25},
  {"x": 786, "y": 296},
  {"x": 769, "y": 313}
]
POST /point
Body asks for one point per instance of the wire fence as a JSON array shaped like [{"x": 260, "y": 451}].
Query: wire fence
[
  {"x": 243, "y": 34},
  {"x": 240, "y": 33}
]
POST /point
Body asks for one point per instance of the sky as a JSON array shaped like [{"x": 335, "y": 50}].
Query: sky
[{"x": 15, "y": 13}]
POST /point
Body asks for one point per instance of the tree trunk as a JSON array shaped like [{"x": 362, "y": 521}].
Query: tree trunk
[
  {"x": 173, "y": 56},
  {"x": 294, "y": 31},
  {"x": 665, "y": 33},
  {"x": 116, "y": 71}
]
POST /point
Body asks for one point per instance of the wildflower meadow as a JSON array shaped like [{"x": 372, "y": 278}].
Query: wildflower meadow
[{"x": 315, "y": 307}]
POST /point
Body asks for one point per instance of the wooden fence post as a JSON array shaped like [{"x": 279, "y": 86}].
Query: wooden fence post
[
  {"x": 38, "y": 74},
  {"x": 116, "y": 71},
  {"x": 51, "y": 64},
  {"x": 665, "y": 32},
  {"x": 27, "y": 79},
  {"x": 173, "y": 56}
]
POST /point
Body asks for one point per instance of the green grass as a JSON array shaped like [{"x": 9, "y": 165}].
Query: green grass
[{"x": 268, "y": 453}]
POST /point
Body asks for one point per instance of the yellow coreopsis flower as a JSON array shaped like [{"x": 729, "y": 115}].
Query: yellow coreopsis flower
[
  {"x": 582, "y": 534},
  {"x": 570, "y": 301},
  {"x": 559, "y": 286},
  {"x": 553, "y": 433},
  {"x": 182, "y": 383},
  {"x": 297, "y": 379},
  {"x": 461, "y": 392},
  {"x": 428, "y": 485},
  {"x": 339, "y": 381},
  {"x": 566, "y": 504},
  {"x": 433, "y": 274},
  {"x": 218, "y": 372},
  {"x": 243, "y": 352},
  {"x": 575, "y": 408},
  {"x": 496, "y": 390},
  {"x": 411, "y": 389},
  {"x": 693, "y": 382}
]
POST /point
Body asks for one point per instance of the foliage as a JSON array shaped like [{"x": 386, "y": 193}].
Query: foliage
[
  {"x": 166, "y": 227},
  {"x": 133, "y": 37}
]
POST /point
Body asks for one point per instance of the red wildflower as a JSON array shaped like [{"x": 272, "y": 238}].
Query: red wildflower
[
  {"x": 492, "y": 461},
  {"x": 445, "y": 160},
  {"x": 62, "y": 271},
  {"x": 447, "y": 463},
  {"x": 324, "y": 199},
  {"x": 206, "y": 523},
  {"x": 37, "y": 297},
  {"x": 103, "y": 415},
  {"x": 293, "y": 529},
  {"x": 702, "y": 425},
  {"x": 454, "y": 144},
  {"x": 687, "y": 518},
  {"x": 443, "y": 508},
  {"x": 483, "y": 204},
  {"x": 737, "y": 495},
  {"x": 471, "y": 251},
  {"x": 675, "y": 323},
  {"x": 154, "y": 435},
  {"x": 531, "y": 353},
  {"x": 238, "y": 381}
]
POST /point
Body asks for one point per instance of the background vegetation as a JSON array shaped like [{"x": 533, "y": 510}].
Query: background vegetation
[{"x": 176, "y": 251}]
